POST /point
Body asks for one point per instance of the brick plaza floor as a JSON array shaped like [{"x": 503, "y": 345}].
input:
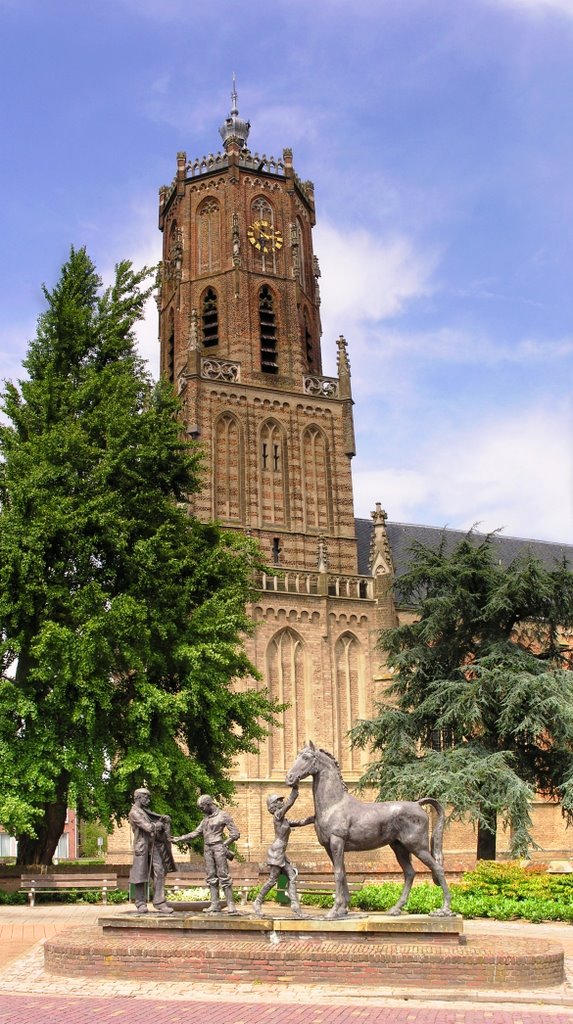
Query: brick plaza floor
[
  {"x": 121, "y": 1010},
  {"x": 28, "y": 995}
]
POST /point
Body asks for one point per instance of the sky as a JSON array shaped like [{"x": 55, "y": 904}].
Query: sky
[{"x": 439, "y": 137}]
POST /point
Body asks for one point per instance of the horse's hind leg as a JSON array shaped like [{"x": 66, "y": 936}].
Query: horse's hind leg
[
  {"x": 439, "y": 877},
  {"x": 405, "y": 861}
]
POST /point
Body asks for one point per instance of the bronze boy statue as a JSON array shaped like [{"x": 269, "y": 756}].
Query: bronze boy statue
[
  {"x": 215, "y": 851},
  {"x": 276, "y": 855}
]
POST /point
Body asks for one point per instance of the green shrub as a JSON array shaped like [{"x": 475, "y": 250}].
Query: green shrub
[
  {"x": 315, "y": 899},
  {"x": 501, "y": 891},
  {"x": 12, "y": 898}
]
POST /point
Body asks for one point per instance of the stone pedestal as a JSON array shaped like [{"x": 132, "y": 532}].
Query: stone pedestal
[{"x": 410, "y": 952}]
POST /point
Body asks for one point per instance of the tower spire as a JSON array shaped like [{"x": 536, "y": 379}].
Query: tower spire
[
  {"x": 234, "y": 99},
  {"x": 234, "y": 131}
]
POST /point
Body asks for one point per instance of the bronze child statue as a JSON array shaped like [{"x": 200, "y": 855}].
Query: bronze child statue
[
  {"x": 276, "y": 855},
  {"x": 215, "y": 851}
]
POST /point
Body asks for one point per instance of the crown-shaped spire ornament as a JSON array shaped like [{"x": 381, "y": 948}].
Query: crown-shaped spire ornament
[{"x": 234, "y": 131}]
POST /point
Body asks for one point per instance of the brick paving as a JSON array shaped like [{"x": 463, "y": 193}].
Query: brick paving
[
  {"x": 29, "y": 995},
  {"x": 55, "y": 1009}
]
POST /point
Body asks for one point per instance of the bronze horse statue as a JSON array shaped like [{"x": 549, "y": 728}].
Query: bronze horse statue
[{"x": 344, "y": 823}]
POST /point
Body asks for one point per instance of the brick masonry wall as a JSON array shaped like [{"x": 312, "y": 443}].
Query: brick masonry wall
[{"x": 480, "y": 964}]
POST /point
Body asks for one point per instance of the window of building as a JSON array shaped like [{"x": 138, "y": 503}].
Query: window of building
[
  {"x": 268, "y": 331},
  {"x": 349, "y": 696},
  {"x": 209, "y": 236},
  {"x": 307, "y": 340},
  {"x": 228, "y": 469},
  {"x": 265, "y": 256},
  {"x": 317, "y": 493},
  {"x": 301, "y": 254},
  {"x": 210, "y": 319},
  {"x": 287, "y": 679},
  {"x": 170, "y": 349},
  {"x": 273, "y": 499}
]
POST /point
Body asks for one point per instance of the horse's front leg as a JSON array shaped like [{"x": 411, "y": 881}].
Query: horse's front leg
[{"x": 336, "y": 854}]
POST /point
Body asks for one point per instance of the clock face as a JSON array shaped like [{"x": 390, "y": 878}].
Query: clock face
[{"x": 264, "y": 237}]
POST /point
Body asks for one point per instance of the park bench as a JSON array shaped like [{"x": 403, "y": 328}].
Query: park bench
[
  {"x": 34, "y": 884},
  {"x": 242, "y": 881},
  {"x": 311, "y": 886}
]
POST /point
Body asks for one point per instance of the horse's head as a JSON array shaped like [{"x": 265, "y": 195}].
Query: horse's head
[{"x": 305, "y": 764}]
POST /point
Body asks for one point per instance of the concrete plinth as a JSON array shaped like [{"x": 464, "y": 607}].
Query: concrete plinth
[{"x": 353, "y": 928}]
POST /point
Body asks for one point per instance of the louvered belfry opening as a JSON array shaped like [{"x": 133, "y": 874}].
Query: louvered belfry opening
[
  {"x": 268, "y": 329},
  {"x": 210, "y": 319}
]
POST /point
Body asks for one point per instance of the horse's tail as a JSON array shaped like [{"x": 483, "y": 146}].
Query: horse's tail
[{"x": 438, "y": 829}]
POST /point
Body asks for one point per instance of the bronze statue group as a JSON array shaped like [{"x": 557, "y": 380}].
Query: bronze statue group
[
  {"x": 153, "y": 858},
  {"x": 342, "y": 823}
]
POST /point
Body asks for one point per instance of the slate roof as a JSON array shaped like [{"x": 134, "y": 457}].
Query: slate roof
[{"x": 402, "y": 535}]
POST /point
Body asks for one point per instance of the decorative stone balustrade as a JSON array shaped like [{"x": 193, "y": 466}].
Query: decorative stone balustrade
[
  {"x": 292, "y": 582},
  {"x": 218, "y": 162},
  {"x": 351, "y": 586},
  {"x": 221, "y": 369},
  {"x": 320, "y": 387}
]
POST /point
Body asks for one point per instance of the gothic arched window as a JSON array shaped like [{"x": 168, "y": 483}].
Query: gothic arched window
[
  {"x": 170, "y": 349},
  {"x": 228, "y": 486},
  {"x": 316, "y": 480},
  {"x": 301, "y": 254},
  {"x": 349, "y": 699},
  {"x": 209, "y": 236},
  {"x": 272, "y": 474},
  {"x": 265, "y": 259},
  {"x": 268, "y": 331},
  {"x": 174, "y": 257},
  {"x": 308, "y": 350},
  {"x": 287, "y": 682},
  {"x": 210, "y": 318}
]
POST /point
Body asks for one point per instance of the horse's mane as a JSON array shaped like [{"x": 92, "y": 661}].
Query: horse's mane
[{"x": 336, "y": 764}]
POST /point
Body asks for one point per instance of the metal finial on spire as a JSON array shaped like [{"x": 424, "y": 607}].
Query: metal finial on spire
[
  {"x": 234, "y": 99},
  {"x": 234, "y": 131}
]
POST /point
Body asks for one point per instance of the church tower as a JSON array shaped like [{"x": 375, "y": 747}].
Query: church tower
[{"x": 239, "y": 324}]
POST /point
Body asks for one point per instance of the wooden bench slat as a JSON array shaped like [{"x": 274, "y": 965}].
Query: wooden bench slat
[{"x": 64, "y": 882}]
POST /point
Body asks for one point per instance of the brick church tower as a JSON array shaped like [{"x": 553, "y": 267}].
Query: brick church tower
[{"x": 239, "y": 312}]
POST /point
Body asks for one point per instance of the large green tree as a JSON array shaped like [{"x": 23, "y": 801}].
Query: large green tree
[
  {"x": 122, "y": 619},
  {"x": 479, "y": 710}
]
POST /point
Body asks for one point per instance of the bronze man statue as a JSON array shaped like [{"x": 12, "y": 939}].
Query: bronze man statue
[
  {"x": 276, "y": 855},
  {"x": 152, "y": 856},
  {"x": 215, "y": 851}
]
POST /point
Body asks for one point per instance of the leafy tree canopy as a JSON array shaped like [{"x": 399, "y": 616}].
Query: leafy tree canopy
[
  {"x": 121, "y": 618},
  {"x": 479, "y": 712}
]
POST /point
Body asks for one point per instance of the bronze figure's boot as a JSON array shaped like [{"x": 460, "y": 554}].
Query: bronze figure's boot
[
  {"x": 215, "y": 906},
  {"x": 231, "y": 908}
]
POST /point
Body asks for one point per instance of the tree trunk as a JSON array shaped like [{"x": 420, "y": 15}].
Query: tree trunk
[
  {"x": 486, "y": 837},
  {"x": 40, "y": 850}
]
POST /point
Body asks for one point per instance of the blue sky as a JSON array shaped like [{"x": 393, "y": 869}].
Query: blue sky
[{"x": 439, "y": 136}]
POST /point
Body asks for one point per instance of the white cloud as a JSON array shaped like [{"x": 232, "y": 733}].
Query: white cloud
[
  {"x": 365, "y": 279},
  {"x": 455, "y": 346},
  {"x": 512, "y": 471}
]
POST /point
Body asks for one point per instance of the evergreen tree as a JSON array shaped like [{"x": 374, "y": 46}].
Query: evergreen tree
[
  {"x": 479, "y": 712},
  {"x": 122, "y": 619}
]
